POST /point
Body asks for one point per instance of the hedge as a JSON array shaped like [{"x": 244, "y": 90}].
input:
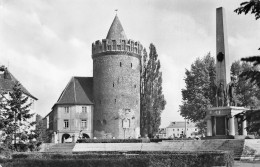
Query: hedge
[
  {"x": 142, "y": 140},
  {"x": 110, "y": 140},
  {"x": 132, "y": 158}
]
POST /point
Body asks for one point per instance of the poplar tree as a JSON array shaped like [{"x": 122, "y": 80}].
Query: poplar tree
[{"x": 152, "y": 98}]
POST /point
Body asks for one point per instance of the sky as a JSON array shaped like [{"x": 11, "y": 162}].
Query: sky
[{"x": 46, "y": 42}]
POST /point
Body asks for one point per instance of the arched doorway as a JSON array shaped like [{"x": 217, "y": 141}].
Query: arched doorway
[
  {"x": 85, "y": 136},
  {"x": 64, "y": 137}
]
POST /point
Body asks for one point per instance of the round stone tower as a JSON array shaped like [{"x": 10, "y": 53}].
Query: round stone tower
[{"x": 116, "y": 77}]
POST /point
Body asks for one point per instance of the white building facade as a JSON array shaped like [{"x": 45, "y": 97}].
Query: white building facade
[{"x": 179, "y": 129}]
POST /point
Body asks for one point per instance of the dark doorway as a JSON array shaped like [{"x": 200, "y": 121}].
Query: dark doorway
[
  {"x": 221, "y": 125},
  {"x": 85, "y": 136},
  {"x": 64, "y": 137}
]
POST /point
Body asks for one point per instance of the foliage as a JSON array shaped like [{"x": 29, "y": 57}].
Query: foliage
[
  {"x": 252, "y": 5},
  {"x": 5, "y": 152},
  {"x": 152, "y": 98},
  {"x": 109, "y": 140},
  {"x": 253, "y": 75},
  {"x": 41, "y": 133},
  {"x": 15, "y": 114},
  {"x": 247, "y": 93},
  {"x": 245, "y": 7},
  {"x": 199, "y": 93},
  {"x": 132, "y": 158}
]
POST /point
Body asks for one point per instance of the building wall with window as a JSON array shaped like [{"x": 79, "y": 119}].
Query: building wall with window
[
  {"x": 72, "y": 113},
  {"x": 113, "y": 92},
  {"x": 116, "y": 78},
  {"x": 178, "y": 129},
  {"x": 71, "y": 119}
]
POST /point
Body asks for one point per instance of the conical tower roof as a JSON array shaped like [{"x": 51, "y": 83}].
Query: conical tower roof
[{"x": 116, "y": 30}]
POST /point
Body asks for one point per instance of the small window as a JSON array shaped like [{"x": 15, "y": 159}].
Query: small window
[
  {"x": 195, "y": 129},
  {"x": 173, "y": 130},
  {"x": 115, "y": 100},
  {"x": 131, "y": 65},
  {"x": 67, "y": 109},
  {"x": 120, "y": 64},
  {"x": 177, "y": 129},
  {"x": 47, "y": 122},
  {"x": 134, "y": 86},
  {"x": 113, "y": 84},
  {"x": 114, "y": 45},
  {"x": 84, "y": 123},
  {"x": 66, "y": 123},
  {"x": 84, "y": 109}
]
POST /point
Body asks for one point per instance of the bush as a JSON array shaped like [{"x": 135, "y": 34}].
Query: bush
[
  {"x": 131, "y": 158},
  {"x": 109, "y": 140},
  {"x": 5, "y": 152}
]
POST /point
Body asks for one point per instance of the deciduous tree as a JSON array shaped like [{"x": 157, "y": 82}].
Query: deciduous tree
[{"x": 199, "y": 93}]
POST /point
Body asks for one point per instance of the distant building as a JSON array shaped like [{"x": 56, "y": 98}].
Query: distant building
[
  {"x": 7, "y": 82},
  {"x": 178, "y": 129},
  {"x": 161, "y": 133}
]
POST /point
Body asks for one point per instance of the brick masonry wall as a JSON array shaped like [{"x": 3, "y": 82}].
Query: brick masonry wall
[{"x": 116, "y": 88}]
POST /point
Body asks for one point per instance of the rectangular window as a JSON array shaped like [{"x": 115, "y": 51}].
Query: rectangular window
[
  {"x": 114, "y": 45},
  {"x": 66, "y": 123},
  {"x": 67, "y": 109},
  {"x": 84, "y": 109},
  {"x": 47, "y": 122},
  {"x": 83, "y": 123},
  {"x": 173, "y": 129},
  {"x": 177, "y": 129}
]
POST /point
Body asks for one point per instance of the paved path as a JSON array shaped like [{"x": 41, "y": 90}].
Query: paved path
[{"x": 247, "y": 164}]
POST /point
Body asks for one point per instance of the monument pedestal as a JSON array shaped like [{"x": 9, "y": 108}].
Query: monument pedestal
[{"x": 221, "y": 121}]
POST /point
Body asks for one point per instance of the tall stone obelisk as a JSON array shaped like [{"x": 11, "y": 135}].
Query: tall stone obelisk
[
  {"x": 222, "y": 55},
  {"x": 221, "y": 118}
]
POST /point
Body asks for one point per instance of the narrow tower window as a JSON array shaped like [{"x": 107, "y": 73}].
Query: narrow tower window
[
  {"x": 120, "y": 64},
  {"x": 113, "y": 84},
  {"x": 115, "y": 100},
  {"x": 131, "y": 65}
]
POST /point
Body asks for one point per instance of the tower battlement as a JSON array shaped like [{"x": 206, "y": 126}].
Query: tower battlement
[{"x": 127, "y": 46}]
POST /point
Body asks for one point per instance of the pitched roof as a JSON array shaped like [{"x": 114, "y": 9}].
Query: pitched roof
[
  {"x": 116, "y": 30},
  {"x": 7, "y": 82},
  {"x": 79, "y": 90},
  {"x": 181, "y": 124}
]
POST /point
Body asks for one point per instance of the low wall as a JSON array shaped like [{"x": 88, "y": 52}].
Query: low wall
[{"x": 251, "y": 150}]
